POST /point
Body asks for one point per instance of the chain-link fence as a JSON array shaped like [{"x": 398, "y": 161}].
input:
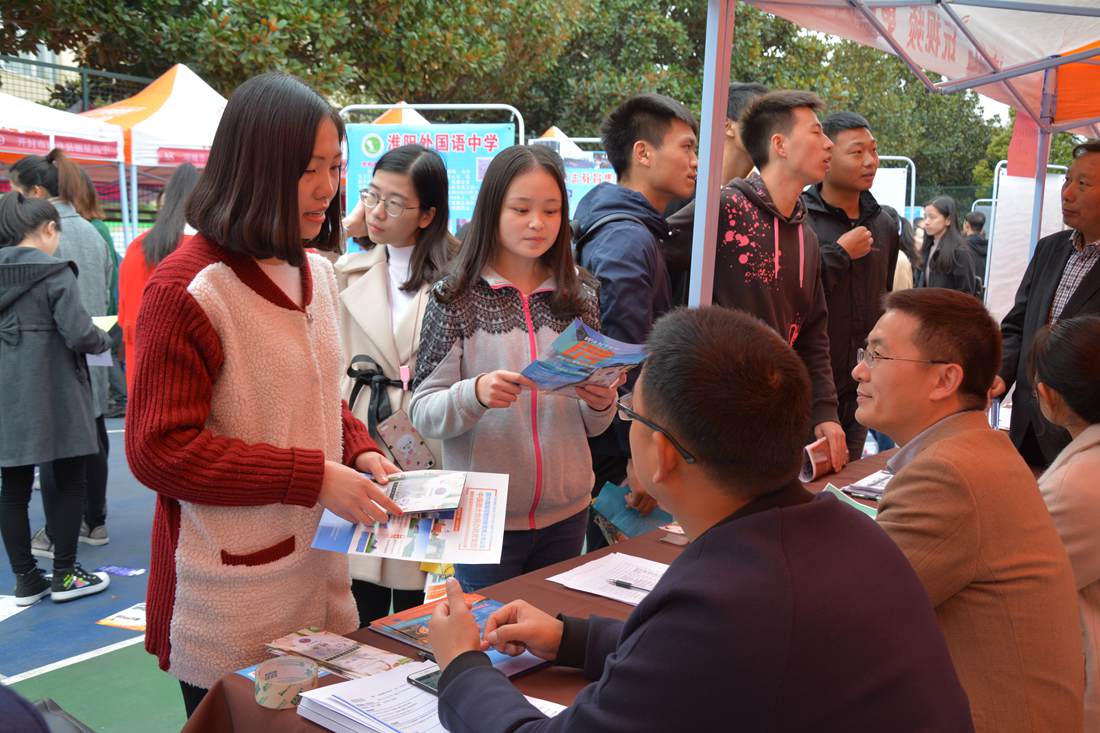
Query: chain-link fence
[{"x": 71, "y": 88}]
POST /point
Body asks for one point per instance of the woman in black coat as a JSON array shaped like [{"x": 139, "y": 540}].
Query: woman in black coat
[
  {"x": 947, "y": 259},
  {"x": 46, "y": 411}
]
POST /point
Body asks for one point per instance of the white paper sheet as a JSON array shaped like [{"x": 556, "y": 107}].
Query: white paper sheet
[
  {"x": 383, "y": 702},
  {"x": 475, "y": 535},
  {"x": 598, "y": 575}
]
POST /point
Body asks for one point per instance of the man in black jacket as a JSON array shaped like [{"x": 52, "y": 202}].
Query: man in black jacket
[
  {"x": 651, "y": 143},
  {"x": 1061, "y": 281},
  {"x": 859, "y": 251},
  {"x": 785, "y": 613}
]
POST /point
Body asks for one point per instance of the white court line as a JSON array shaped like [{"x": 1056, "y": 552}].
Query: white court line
[
  {"x": 72, "y": 660},
  {"x": 112, "y": 432}
]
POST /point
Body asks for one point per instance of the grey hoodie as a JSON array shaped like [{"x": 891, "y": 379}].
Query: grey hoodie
[
  {"x": 541, "y": 440},
  {"x": 46, "y": 408}
]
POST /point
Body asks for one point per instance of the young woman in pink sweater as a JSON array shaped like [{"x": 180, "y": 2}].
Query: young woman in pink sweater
[{"x": 236, "y": 419}]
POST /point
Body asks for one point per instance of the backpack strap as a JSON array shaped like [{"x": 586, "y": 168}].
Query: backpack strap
[{"x": 579, "y": 242}]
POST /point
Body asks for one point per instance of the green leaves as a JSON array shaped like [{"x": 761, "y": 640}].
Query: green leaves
[{"x": 563, "y": 62}]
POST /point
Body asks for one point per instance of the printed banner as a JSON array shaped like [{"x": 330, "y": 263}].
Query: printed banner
[{"x": 465, "y": 148}]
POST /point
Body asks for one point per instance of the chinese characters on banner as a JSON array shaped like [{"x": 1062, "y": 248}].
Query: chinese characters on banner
[{"x": 465, "y": 148}]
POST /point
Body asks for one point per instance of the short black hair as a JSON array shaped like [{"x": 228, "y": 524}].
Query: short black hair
[
  {"x": 247, "y": 198},
  {"x": 1064, "y": 356},
  {"x": 1089, "y": 146},
  {"x": 733, "y": 392},
  {"x": 976, "y": 220},
  {"x": 838, "y": 122},
  {"x": 769, "y": 114},
  {"x": 741, "y": 94},
  {"x": 644, "y": 117},
  {"x": 957, "y": 328},
  {"x": 21, "y": 215}
]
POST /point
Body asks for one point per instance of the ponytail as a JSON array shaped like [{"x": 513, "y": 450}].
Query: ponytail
[{"x": 55, "y": 173}]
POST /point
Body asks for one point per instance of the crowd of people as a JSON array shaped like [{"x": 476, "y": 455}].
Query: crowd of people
[{"x": 270, "y": 378}]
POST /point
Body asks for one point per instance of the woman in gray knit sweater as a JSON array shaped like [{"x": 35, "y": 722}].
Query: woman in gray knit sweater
[{"x": 513, "y": 289}]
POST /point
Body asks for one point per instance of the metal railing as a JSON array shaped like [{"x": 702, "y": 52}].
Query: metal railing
[{"x": 71, "y": 88}]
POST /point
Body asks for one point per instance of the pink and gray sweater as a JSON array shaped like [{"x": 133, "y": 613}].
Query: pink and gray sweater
[
  {"x": 236, "y": 406},
  {"x": 541, "y": 440}
]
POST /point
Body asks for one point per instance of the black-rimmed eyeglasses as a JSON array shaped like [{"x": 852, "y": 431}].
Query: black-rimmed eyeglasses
[
  {"x": 870, "y": 357},
  {"x": 393, "y": 209},
  {"x": 626, "y": 413}
]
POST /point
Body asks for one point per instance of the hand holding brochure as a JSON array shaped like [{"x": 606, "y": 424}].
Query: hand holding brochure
[
  {"x": 816, "y": 461},
  {"x": 582, "y": 356},
  {"x": 472, "y": 534}
]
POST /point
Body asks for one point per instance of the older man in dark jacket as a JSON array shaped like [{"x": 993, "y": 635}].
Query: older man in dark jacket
[{"x": 859, "y": 251}]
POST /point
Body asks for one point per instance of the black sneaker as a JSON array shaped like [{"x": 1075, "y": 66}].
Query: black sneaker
[
  {"x": 70, "y": 584},
  {"x": 30, "y": 586}
]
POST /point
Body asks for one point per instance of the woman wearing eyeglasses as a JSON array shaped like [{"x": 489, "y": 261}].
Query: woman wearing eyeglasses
[{"x": 401, "y": 222}]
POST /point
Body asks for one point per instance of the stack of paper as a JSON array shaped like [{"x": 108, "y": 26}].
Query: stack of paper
[
  {"x": 342, "y": 655},
  {"x": 869, "y": 487},
  {"x": 384, "y": 703},
  {"x": 617, "y": 576},
  {"x": 473, "y": 534}
]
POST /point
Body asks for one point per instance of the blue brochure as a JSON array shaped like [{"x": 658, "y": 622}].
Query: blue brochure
[{"x": 611, "y": 505}]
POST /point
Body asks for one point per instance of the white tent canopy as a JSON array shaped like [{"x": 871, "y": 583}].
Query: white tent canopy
[
  {"x": 1039, "y": 57},
  {"x": 171, "y": 121},
  {"x": 27, "y": 128}
]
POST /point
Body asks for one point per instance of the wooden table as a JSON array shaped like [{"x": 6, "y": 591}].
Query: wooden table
[{"x": 230, "y": 707}]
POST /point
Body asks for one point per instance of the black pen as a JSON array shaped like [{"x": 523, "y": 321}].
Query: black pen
[{"x": 628, "y": 585}]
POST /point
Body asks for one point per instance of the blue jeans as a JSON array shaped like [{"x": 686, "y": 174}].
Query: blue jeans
[{"x": 528, "y": 550}]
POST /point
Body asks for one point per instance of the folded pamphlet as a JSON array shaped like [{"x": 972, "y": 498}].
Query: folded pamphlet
[{"x": 580, "y": 356}]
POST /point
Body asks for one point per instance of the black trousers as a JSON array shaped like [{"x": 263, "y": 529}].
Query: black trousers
[
  {"x": 855, "y": 434},
  {"x": 62, "y": 500},
  {"x": 192, "y": 696},
  {"x": 95, "y": 491},
  {"x": 374, "y": 600}
]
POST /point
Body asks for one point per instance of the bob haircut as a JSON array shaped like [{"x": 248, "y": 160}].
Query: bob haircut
[
  {"x": 247, "y": 198},
  {"x": 434, "y": 244},
  {"x": 482, "y": 240}
]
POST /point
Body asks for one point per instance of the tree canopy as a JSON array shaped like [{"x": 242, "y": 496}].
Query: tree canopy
[{"x": 563, "y": 62}]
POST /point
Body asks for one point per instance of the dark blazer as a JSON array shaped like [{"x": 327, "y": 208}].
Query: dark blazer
[
  {"x": 789, "y": 615},
  {"x": 1036, "y": 439}
]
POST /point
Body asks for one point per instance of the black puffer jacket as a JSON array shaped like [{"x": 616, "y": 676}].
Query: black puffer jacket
[{"x": 853, "y": 288}]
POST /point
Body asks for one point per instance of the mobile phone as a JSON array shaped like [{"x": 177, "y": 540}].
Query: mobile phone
[{"x": 427, "y": 680}]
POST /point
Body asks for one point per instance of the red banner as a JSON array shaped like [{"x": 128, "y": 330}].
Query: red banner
[
  {"x": 178, "y": 156},
  {"x": 34, "y": 143},
  {"x": 79, "y": 147}
]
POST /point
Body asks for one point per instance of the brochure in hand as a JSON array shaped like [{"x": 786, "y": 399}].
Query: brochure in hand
[
  {"x": 620, "y": 521},
  {"x": 816, "y": 461},
  {"x": 582, "y": 356},
  {"x": 418, "y": 492},
  {"x": 472, "y": 534},
  {"x": 411, "y": 627},
  {"x": 342, "y": 655}
]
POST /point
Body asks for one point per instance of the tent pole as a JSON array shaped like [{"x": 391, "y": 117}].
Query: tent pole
[
  {"x": 134, "y": 196},
  {"x": 124, "y": 212},
  {"x": 716, "y": 81},
  {"x": 1041, "y": 158}
]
